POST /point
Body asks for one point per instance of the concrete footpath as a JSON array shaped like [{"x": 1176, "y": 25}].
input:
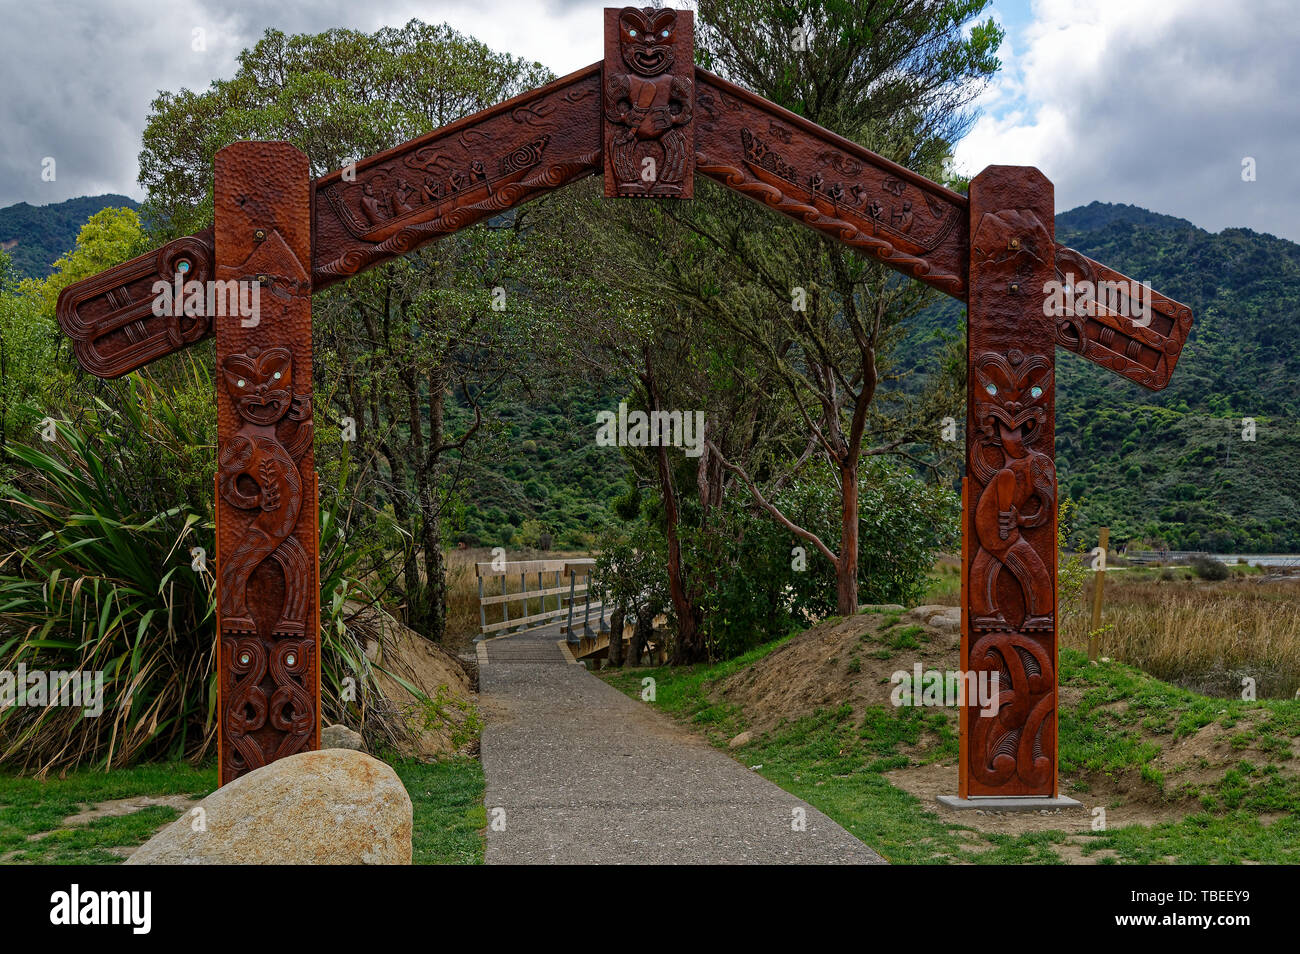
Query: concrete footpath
[{"x": 578, "y": 773}]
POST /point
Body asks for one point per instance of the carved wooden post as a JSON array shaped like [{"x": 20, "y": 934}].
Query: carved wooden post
[
  {"x": 1009, "y": 495},
  {"x": 268, "y": 582}
]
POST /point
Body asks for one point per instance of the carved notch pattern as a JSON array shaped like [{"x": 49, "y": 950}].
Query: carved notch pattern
[
  {"x": 413, "y": 190},
  {"x": 110, "y": 317},
  {"x": 1145, "y": 353}
]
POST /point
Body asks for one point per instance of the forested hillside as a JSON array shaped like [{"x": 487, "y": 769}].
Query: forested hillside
[
  {"x": 1172, "y": 466},
  {"x": 36, "y": 235},
  {"x": 540, "y": 480}
]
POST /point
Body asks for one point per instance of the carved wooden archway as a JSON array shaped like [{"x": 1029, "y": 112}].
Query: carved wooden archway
[{"x": 649, "y": 120}]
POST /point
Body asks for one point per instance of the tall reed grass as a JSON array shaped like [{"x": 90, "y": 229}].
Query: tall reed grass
[{"x": 1207, "y": 636}]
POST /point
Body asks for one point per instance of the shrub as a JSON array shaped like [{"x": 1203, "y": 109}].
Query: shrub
[
  {"x": 903, "y": 524},
  {"x": 1209, "y": 569},
  {"x": 97, "y": 577}
]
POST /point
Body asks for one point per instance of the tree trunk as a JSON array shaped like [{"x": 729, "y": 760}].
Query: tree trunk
[
  {"x": 846, "y": 572},
  {"x": 435, "y": 578},
  {"x": 615, "y": 657},
  {"x": 688, "y": 647},
  {"x": 641, "y": 636}
]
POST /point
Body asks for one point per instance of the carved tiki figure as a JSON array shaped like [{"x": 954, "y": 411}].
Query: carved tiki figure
[
  {"x": 652, "y": 104},
  {"x": 257, "y": 472},
  {"x": 1019, "y": 487}
]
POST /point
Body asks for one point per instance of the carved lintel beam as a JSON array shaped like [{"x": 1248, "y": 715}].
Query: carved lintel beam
[
  {"x": 379, "y": 209},
  {"x": 470, "y": 170},
  {"x": 487, "y": 163},
  {"x": 831, "y": 184}
]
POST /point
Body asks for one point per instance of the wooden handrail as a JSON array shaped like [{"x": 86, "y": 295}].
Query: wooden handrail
[{"x": 568, "y": 596}]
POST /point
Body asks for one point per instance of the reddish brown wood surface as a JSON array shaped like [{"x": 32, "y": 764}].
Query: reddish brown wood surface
[
  {"x": 268, "y": 588},
  {"x": 1142, "y": 349},
  {"x": 110, "y": 316},
  {"x": 828, "y": 183},
  {"x": 649, "y": 89},
  {"x": 453, "y": 177},
  {"x": 413, "y": 194},
  {"x": 383, "y": 207},
  {"x": 1009, "y": 522}
]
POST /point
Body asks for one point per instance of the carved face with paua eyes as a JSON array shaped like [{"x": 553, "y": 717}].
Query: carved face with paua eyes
[
  {"x": 1012, "y": 395},
  {"x": 260, "y": 383},
  {"x": 645, "y": 39}
]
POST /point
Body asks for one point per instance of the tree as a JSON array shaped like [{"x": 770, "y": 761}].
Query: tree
[
  {"x": 615, "y": 262},
  {"x": 818, "y": 316},
  {"x": 405, "y": 336},
  {"x": 36, "y": 370}
]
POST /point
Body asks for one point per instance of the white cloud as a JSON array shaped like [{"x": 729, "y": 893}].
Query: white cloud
[
  {"x": 1154, "y": 102},
  {"x": 79, "y": 77}
]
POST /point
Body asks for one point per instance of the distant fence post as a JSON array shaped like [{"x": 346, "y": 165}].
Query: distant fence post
[
  {"x": 573, "y": 581},
  {"x": 1098, "y": 583},
  {"x": 482, "y": 607}
]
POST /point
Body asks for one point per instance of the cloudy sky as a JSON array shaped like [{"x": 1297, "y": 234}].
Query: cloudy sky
[{"x": 1152, "y": 102}]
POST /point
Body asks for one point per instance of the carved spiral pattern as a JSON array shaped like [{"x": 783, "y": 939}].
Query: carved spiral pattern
[
  {"x": 246, "y": 708},
  {"x": 291, "y": 709},
  {"x": 1016, "y": 740}
]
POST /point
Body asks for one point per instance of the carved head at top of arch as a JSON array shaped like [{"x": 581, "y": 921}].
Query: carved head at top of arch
[{"x": 646, "y": 39}]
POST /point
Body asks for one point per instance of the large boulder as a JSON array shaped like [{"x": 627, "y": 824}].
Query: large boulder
[
  {"x": 943, "y": 619},
  {"x": 332, "y": 807}
]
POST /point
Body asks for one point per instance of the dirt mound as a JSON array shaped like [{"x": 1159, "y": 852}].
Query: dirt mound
[
  {"x": 852, "y": 660},
  {"x": 429, "y": 693},
  {"x": 843, "y": 660}
]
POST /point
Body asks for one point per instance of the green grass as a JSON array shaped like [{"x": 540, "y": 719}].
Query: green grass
[
  {"x": 446, "y": 797},
  {"x": 944, "y": 584},
  {"x": 836, "y": 760},
  {"x": 1095, "y": 739},
  {"x": 29, "y": 807}
]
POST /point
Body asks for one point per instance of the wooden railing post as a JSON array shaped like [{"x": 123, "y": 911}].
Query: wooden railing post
[
  {"x": 573, "y": 582},
  {"x": 482, "y": 609}
]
